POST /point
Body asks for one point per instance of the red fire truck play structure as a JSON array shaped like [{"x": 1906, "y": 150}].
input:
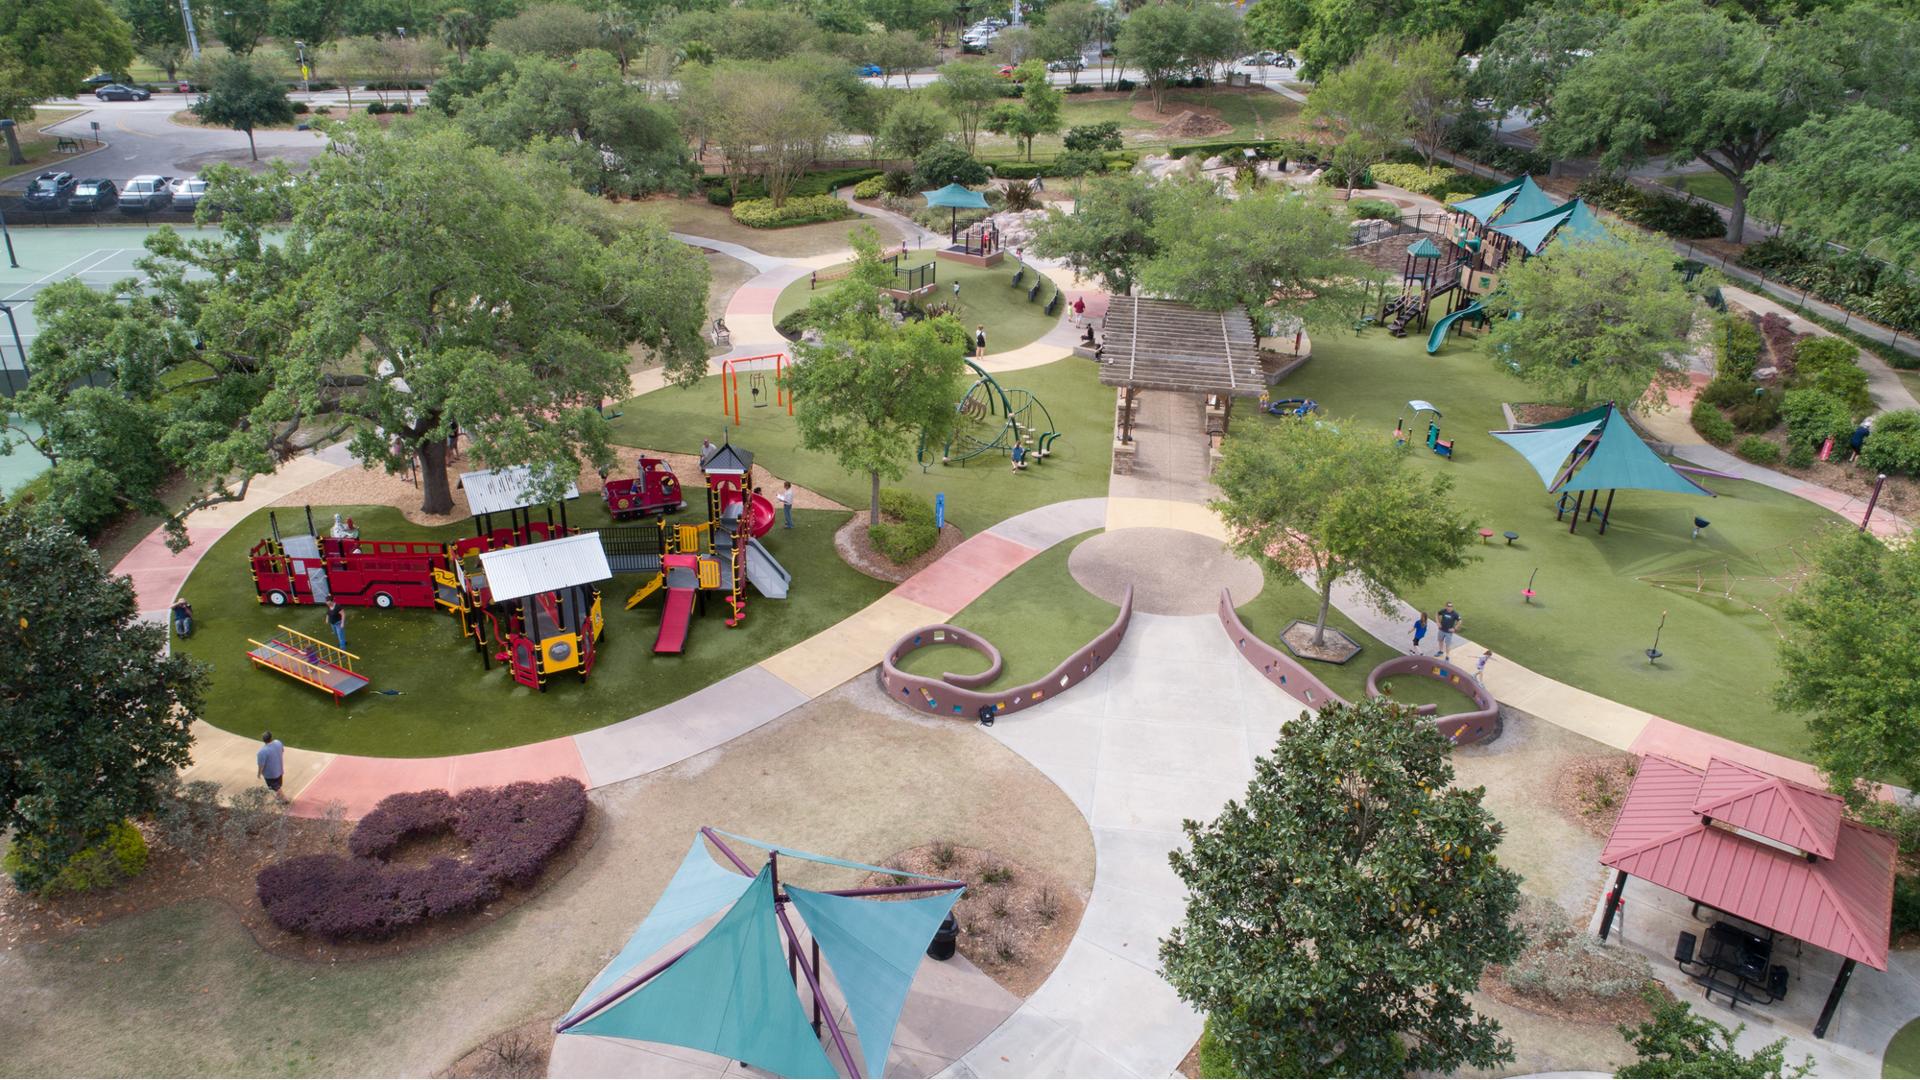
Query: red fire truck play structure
[{"x": 655, "y": 492}]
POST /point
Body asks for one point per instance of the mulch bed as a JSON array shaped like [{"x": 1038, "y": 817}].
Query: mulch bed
[
  {"x": 857, "y": 551},
  {"x": 226, "y": 874},
  {"x": 1016, "y": 928},
  {"x": 1531, "y": 412},
  {"x": 1590, "y": 791},
  {"x": 1338, "y": 648},
  {"x": 1586, "y": 1009},
  {"x": 519, "y": 1051}
]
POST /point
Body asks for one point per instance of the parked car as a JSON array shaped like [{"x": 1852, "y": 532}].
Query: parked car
[
  {"x": 121, "y": 92},
  {"x": 1263, "y": 58},
  {"x": 49, "y": 191},
  {"x": 93, "y": 194},
  {"x": 104, "y": 79},
  {"x": 145, "y": 193},
  {"x": 188, "y": 191},
  {"x": 871, "y": 71},
  {"x": 1075, "y": 64},
  {"x": 974, "y": 45},
  {"x": 1006, "y": 71}
]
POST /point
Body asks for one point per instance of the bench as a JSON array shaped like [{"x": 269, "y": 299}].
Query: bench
[
  {"x": 1034, "y": 291},
  {"x": 1053, "y": 305},
  {"x": 1019, "y": 276},
  {"x": 720, "y": 335},
  {"x": 65, "y": 145}
]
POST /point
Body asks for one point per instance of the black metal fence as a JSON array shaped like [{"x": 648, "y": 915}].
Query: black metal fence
[{"x": 19, "y": 215}]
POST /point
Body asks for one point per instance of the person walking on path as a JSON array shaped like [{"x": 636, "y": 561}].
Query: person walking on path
[
  {"x": 1480, "y": 667},
  {"x": 1449, "y": 624},
  {"x": 786, "y": 501},
  {"x": 337, "y": 619},
  {"x": 269, "y": 763},
  {"x": 1019, "y": 457},
  {"x": 1079, "y": 309},
  {"x": 706, "y": 449},
  {"x": 182, "y": 617},
  {"x": 1419, "y": 630},
  {"x": 980, "y": 342},
  {"x": 956, "y": 294}
]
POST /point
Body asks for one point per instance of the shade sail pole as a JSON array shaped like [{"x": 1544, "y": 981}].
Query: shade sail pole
[
  {"x": 1833, "y": 999},
  {"x": 813, "y": 982},
  {"x": 1607, "y": 514},
  {"x": 619, "y": 992}
]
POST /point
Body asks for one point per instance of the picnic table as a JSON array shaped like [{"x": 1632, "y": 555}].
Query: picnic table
[
  {"x": 1736, "y": 962},
  {"x": 66, "y": 145}
]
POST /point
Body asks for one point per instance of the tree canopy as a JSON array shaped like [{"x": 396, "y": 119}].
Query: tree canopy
[
  {"x": 1341, "y": 911},
  {"x": 1852, "y": 663},
  {"x": 1110, "y": 233},
  {"x": 1365, "y": 104},
  {"x": 969, "y": 89},
  {"x": 1852, "y": 178},
  {"x": 1533, "y": 51},
  {"x": 238, "y": 93},
  {"x": 1697, "y": 83},
  {"x": 914, "y": 124},
  {"x": 1677, "y": 1042},
  {"x": 47, "y": 47},
  {"x": 1036, "y": 113},
  {"x": 98, "y": 715},
  {"x": 1156, "y": 39},
  {"x": 871, "y": 392},
  {"x": 1330, "y": 497},
  {"x": 1601, "y": 320}
]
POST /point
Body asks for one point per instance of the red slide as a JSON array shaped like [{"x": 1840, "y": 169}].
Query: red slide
[
  {"x": 762, "y": 515},
  {"x": 674, "y": 620}
]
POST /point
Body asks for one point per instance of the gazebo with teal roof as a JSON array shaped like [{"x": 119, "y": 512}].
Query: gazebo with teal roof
[{"x": 1593, "y": 451}]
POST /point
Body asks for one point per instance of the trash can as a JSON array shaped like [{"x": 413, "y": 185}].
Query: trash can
[{"x": 942, "y": 945}]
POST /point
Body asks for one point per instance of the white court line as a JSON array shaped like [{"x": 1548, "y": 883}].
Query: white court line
[
  {"x": 98, "y": 255},
  {"x": 49, "y": 277}
]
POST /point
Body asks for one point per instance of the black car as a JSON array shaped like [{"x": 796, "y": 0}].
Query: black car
[
  {"x": 93, "y": 194},
  {"x": 121, "y": 92},
  {"x": 49, "y": 191},
  {"x": 103, "y": 79}
]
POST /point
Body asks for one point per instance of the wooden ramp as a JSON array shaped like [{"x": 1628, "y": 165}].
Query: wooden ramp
[{"x": 308, "y": 660}]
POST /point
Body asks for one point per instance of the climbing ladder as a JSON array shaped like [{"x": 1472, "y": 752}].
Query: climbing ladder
[{"x": 308, "y": 660}]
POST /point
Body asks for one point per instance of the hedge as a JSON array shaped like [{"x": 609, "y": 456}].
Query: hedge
[
  {"x": 1378, "y": 209},
  {"x": 119, "y": 855},
  {"x": 871, "y": 188},
  {"x": 1894, "y": 446},
  {"x": 1884, "y": 350},
  {"x": 719, "y": 188},
  {"x": 1739, "y": 346},
  {"x": 1813, "y": 416},
  {"x": 1291, "y": 149},
  {"x": 1435, "y": 183},
  {"x": 801, "y": 210},
  {"x": 1862, "y": 285},
  {"x": 1829, "y": 365},
  {"x": 1668, "y": 214},
  {"x": 906, "y": 530},
  {"x": 512, "y": 833}
]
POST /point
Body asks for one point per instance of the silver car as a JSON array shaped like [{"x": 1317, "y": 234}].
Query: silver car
[
  {"x": 188, "y": 191},
  {"x": 144, "y": 193}
]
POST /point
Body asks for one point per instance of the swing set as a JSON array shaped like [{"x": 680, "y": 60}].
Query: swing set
[{"x": 761, "y": 392}]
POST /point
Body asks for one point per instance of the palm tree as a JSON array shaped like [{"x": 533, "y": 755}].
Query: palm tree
[
  {"x": 620, "y": 36},
  {"x": 462, "y": 32}
]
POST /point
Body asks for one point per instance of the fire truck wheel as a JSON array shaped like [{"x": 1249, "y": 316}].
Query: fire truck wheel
[
  {"x": 382, "y": 600},
  {"x": 277, "y": 598}
]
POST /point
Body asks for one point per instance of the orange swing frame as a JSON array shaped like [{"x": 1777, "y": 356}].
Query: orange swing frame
[{"x": 730, "y": 383}]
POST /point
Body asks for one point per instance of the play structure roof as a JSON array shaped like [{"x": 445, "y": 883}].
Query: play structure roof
[
  {"x": 544, "y": 567},
  {"x": 726, "y": 460},
  {"x": 1515, "y": 200},
  {"x": 1573, "y": 220},
  {"x": 1615, "y": 459},
  {"x": 731, "y": 993},
  {"x": 1736, "y": 839},
  {"x": 1424, "y": 248},
  {"x": 1163, "y": 345},
  {"x": 958, "y": 196},
  {"x": 493, "y": 491}
]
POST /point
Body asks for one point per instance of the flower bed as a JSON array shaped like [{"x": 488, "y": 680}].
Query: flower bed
[{"x": 509, "y": 833}]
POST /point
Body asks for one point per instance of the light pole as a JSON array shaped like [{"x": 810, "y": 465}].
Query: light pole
[
  {"x": 306, "y": 73},
  {"x": 8, "y": 233},
  {"x": 18, "y": 348}
]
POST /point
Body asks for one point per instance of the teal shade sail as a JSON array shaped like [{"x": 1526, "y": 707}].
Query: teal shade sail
[
  {"x": 700, "y": 888},
  {"x": 729, "y": 995},
  {"x": 958, "y": 196},
  {"x": 873, "y": 950},
  {"x": 1546, "y": 449},
  {"x": 1424, "y": 248},
  {"x": 1619, "y": 459},
  {"x": 1573, "y": 221},
  {"x": 1482, "y": 208},
  {"x": 1529, "y": 201}
]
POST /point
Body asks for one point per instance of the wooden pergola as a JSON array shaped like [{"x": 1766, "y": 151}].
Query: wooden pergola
[{"x": 1163, "y": 345}]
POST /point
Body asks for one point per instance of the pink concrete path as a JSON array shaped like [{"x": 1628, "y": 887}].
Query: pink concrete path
[{"x": 357, "y": 783}]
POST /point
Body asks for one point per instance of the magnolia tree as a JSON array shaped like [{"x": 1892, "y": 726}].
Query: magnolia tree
[
  {"x": 1329, "y": 497},
  {"x": 1342, "y": 910}
]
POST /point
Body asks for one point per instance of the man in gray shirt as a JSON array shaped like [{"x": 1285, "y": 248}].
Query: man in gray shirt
[{"x": 270, "y": 763}]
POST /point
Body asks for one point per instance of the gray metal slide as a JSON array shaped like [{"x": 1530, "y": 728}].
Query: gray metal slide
[{"x": 765, "y": 573}]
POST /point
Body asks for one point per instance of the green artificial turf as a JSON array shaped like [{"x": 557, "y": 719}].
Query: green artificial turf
[
  {"x": 1036, "y": 616},
  {"x": 1903, "y": 1054},
  {"x": 448, "y": 704},
  {"x": 1593, "y": 616},
  {"x": 1710, "y": 186},
  {"x": 980, "y": 493},
  {"x": 986, "y": 299}
]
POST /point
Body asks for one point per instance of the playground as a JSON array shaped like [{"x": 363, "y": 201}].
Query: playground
[
  {"x": 987, "y": 296},
  {"x": 980, "y": 492},
  {"x": 446, "y": 702}
]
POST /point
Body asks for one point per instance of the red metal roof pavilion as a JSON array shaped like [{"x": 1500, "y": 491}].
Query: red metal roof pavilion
[{"x": 1763, "y": 849}]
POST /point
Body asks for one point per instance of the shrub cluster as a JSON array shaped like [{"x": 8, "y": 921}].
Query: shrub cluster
[
  {"x": 1894, "y": 446},
  {"x": 117, "y": 856},
  {"x": 1739, "y": 346},
  {"x": 1831, "y": 365},
  {"x": 906, "y": 530},
  {"x": 1758, "y": 450},
  {"x": 1813, "y": 416},
  {"x": 1861, "y": 284},
  {"x": 871, "y": 188},
  {"x": 719, "y": 190},
  {"x": 1669, "y": 214},
  {"x": 511, "y": 834},
  {"x": 1710, "y": 423},
  {"x": 1373, "y": 209},
  {"x": 1434, "y": 182},
  {"x": 799, "y": 210}
]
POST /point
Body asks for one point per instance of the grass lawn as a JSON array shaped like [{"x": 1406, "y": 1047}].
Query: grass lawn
[
  {"x": 698, "y": 217},
  {"x": 1903, "y": 1054},
  {"x": 1593, "y": 616},
  {"x": 1710, "y": 186},
  {"x": 980, "y": 493},
  {"x": 448, "y": 705},
  {"x": 1254, "y": 114},
  {"x": 1036, "y": 616},
  {"x": 36, "y": 144},
  {"x": 986, "y": 299}
]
